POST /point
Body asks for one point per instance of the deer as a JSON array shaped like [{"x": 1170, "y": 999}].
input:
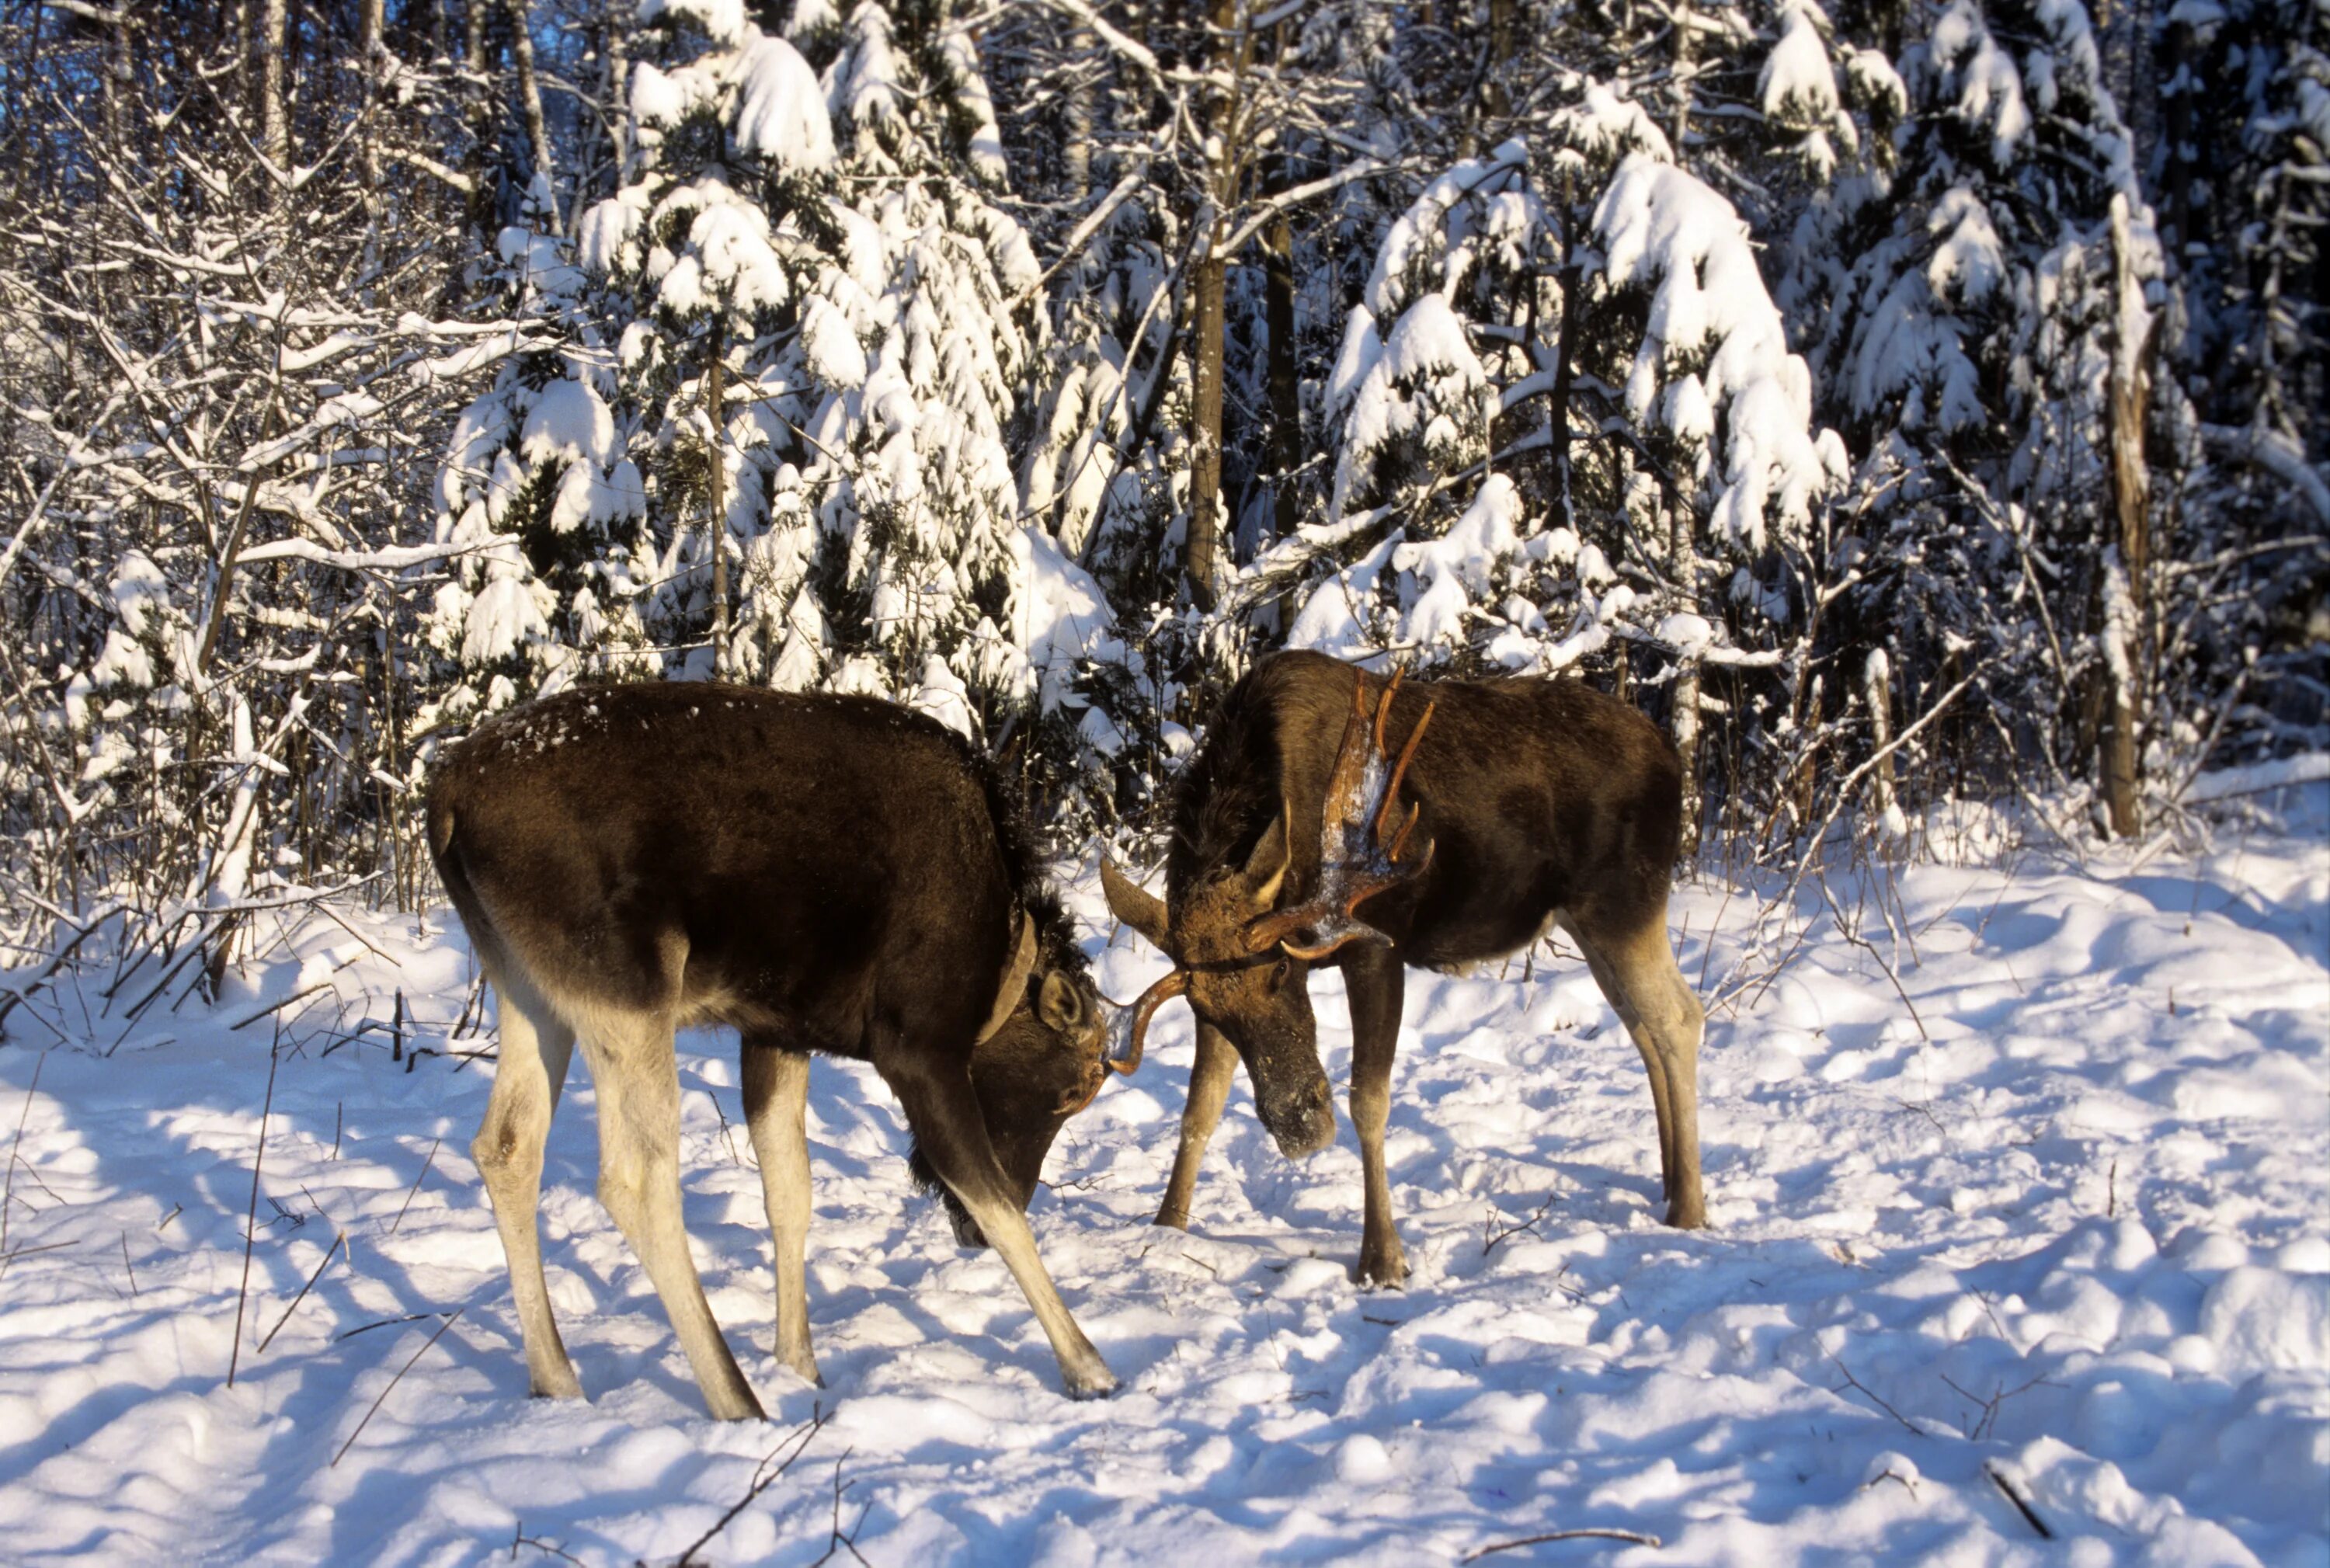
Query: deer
[
  {"x": 1529, "y": 804},
  {"x": 823, "y": 873}
]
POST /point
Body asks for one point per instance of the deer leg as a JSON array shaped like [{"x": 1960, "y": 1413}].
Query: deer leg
[
  {"x": 944, "y": 1112},
  {"x": 1672, "y": 1015},
  {"x": 638, "y": 1079},
  {"x": 530, "y": 1070},
  {"x": 776, "y": 1098},
  {"x": 1613, "y": 990},
  {"x": 1376, "y": 983},
  {"x": 1209, "y": 1090},
  {"x": 1637, "y": 972}
]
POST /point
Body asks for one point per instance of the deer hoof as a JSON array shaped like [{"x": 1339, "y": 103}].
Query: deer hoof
[
  {"x": 1382, "y": 1271},
  {"x": 1172, "y": 1219},
  {"x": 1098, "y": 1384},
  {"x": 553, "y": 1386},
  {"x": 1687, "y": 1213}
]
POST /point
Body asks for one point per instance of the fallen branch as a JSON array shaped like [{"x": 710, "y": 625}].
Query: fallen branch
[
  {"x": 1632, "y": 1537},
  {"x": 1874, "y": 1396},
  {"x": 2021, "y": 1504},
  {"x": 764, "y": 1477}
]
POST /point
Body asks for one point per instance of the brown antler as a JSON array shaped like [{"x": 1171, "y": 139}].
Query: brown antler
[
  {"x": 1356, "y": 862},
  {"x": 1124, "y": 1055}
]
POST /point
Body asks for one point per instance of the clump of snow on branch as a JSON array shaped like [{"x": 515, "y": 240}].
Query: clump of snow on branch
[{"x": 1714, "y": 351}]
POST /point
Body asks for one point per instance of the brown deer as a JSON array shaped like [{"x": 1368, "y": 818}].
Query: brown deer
[
  {"x": 1528, "y": 804},
  {"x": 824, "y": 873}
]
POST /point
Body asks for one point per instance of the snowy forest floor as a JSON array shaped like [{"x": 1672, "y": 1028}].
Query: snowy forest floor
[{"x": 2061, "y": 1263}]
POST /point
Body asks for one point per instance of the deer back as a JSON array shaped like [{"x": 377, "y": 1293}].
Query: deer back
[
  {"x": 804, "y": 864},
  {"x": 1533, "y": 794}
]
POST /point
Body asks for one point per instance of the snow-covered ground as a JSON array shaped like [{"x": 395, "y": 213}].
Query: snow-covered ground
[{"x": 2068, "y": 1245}]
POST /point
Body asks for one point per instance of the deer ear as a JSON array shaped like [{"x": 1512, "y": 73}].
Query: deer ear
[
  {"x": 1058, "y": 1004},
  {"x": 1143, "y": 911},
  {"x": 1266, "y": 868}
]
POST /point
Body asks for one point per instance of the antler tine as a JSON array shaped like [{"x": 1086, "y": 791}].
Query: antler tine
[
  {"x": 1383, "y": 704},
  {"x": 1407, "y": 753},
  {"x": 1399, "y": 845},
  {"x": 1359, "y": 856},
  {"x": 1136, "y": 1020}
]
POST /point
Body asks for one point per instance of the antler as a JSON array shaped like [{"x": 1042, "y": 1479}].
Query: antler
[
  {"x": 1356, "y": 860},
  {"x": 1123, "y": 1052}
]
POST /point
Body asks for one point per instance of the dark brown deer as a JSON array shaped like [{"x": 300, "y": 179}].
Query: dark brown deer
[
  {"x": 824, "y": 873},
  {"x": 1528, "y": 804}
]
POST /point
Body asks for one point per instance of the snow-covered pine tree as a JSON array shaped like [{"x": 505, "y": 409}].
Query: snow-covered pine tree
[
  {"x": 822, "y": 251},
  {"x": 1520, "y": 300},
  {"x": 537, "y": 491},
  {"x": 2243, "y": 179},
  {"x": 1987, "y": 352}
]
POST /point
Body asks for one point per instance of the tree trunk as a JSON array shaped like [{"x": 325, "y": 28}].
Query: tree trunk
[
  {"x": 1285, "y": 389},
  {"x": 616, "y": 30},
  {"x": 1683, "y": 41},
  {"x": 274, "y": 123},
  {"x": 1203, "y": 556},
  {"x": 715, "y": 408},
  {"x": 2127, "y": 559},
  {"x": 1206, "y": 429},
  {"x": 1075, "y": 151},
  {"x": 1877, "y": 690},
  {"x": 1494, "y": 98},
  {"x": 529, "y": 98},
  {"x": 1565, "y": 353},
  {"x": 1683, "y": 560}
]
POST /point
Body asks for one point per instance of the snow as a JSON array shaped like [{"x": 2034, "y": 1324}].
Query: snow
[
  {"x": 721, "y": 21},
  {"x": 1061, "y": 618},
  {"x": 1664, "y": 232},
  {"x": 2223, "y": 783},
  {"x": 2075, "y": 1239},
  {"x": 1797, "y": 86},
  {"x": 1988, "y": 88},
  {"x": 780, "y": 113},
  {"x": 1602, "y": 128},
  {"x": 1425, "y": 367},
  {"x": 1445, "y": 573},
  {"x": 1967, "y": 267}
]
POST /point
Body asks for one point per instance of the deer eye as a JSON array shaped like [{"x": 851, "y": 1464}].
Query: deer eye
[{"x": 1278, "y": 973}]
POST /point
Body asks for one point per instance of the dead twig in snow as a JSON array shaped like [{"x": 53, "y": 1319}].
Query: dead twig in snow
[
  {"x": 1851, "y": 933},
  {"x": 835, "y": 1540},
  {"x": 250, "y": 1218},
  {"x": 393, "y": 1382},
  {"x": 413, "y": 1191},
  {"x": 520, "y": 1538},
  {"x": 302, "y": 1296},
  {"x": 8, "y": 1257},
  {"x": 380, "y": 1323},
  {"x": 1873, "y": 1395},
  {"x": 8, "y": 1191},
  {"x": 274, "y": 1007},
  {"x": 1633, "y": 1538},
  {"x": 1989, "y": 1422},
  {"x": 1490, "y": 1240},
  {"x": 2021, "y": 1504},
  {"x": 764, "y": 1476}
]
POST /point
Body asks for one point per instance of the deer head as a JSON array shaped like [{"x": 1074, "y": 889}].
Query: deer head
[{"x": 1234, "y": 951}]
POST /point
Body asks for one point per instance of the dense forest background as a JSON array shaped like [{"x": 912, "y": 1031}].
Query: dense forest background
[{"x": 1900, "y": 401}]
